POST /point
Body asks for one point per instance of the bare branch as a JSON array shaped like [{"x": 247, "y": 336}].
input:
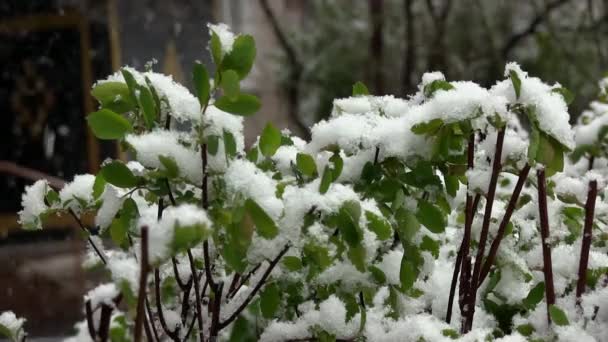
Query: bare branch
[
  {"x": 521, "y": 180},
  {"x": 293, "y": 88},
  {"x": 544, "y": 232},
  {"x": 586, "y": 242},
  {"x": 197, "y": 294},
  {"x": 257, "y": 287},
  {"x": 143, "y": 276},
  {"x": 532, "y": 27},
  {"x": 14, "y": 169},
  {"x": 485, "y": 226}
]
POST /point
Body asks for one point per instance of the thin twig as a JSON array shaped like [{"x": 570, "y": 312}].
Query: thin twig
[
  {"x": 89, "y": 314},
  {"x": 181, "y": 284},
  {"x": 532, "y": 27},
  {"x": 586, "y": 241},
  {"x": 521, "y": 180},
  {"x": 257, "y": 287},
  {"x": 485, "y": 226},
  {"x": 91, "y": 242},
  {"x": 154, "y": 331},
  {"x": 186, "y": 299},
  {"x": 207, "y": 263},
  {"x": 197, "y": 295},
  {"x": 159, "y": 308},
  {"x": 215, "y": 313},
  {"x": 243, "y": 281},
  {"x": 104, "y": 322},
  {"x": 544, "y": 231},
  {"x": 11, "y": 168},
  {"x": 143, "y": 276},
  {"x": 463, "y": 251}
]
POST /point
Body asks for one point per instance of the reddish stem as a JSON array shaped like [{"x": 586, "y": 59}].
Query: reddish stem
[
  {"x": 197, "y": 295},
  {"x": 463, "y": 251},
  {"x": 586, "y": 243},
  {"x": 521, "y": 180},
  {"x": 143, "y": 276},
  {"x": 257, "y": 287},
  {"x": 544, "y": 231},
  {"x": 485, "y": 227}
]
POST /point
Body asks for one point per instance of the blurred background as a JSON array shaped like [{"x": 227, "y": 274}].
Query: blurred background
[{"x": 308, "y": 52}]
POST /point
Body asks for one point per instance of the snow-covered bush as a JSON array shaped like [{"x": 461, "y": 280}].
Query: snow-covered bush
[{"x": 394, "y": 210}]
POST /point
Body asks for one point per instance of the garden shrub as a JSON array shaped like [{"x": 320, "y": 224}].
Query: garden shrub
[{"x": 416, "y": 219}]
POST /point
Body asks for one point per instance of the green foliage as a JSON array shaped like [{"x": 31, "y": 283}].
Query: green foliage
[
  {"x": 118, "y": 174},
  {"x": 431, "y": 88},
  {"x": 113, "y": 96},
  {"x": 359, "y": 89},
  {"x": 240, "y": 59},
  {"x": 516, "y": 83},
  {"x": 200, "y": 78},
  {"x": 241, "y": 104},
  {"x": 270, "y": 299},
  {"x": 270, "y": 140},
  {"x": 558, "y": 316},
  {"x": 306, "y": 164},
  {"x": 107, "y": 125},
  {"x": 230, "y": 84},
  {"x": 264, "y": 224}
]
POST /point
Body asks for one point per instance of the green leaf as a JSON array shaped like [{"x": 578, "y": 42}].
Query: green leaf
[
  {"x": 213, "y": 144},
  {"x": 131, "y": 83},
  {"x": 252, "y": 154},
  {"x": 356, "y": 255},
  {"x": 98, "y": 186},
  {"x": 292, "y": 263},
  {"x": 451, "y": 184},
  {"x": 242, "y": 104},
  {"x": 431, "y": 217},
  {"x": 170, "y": 165},
  {"x": 558, "y": 316},
  {"x": 378, "y": 275},
  {"x": 188, "y": 236},
  {"x": 216, "y": 49},
  {"x": 239, "y": 237},
  {"x": 326, "y": 180},
  {"x": 407, "y": 224},
  {"x": 270, "y": 299},
  {"x": 516, "y": 83},
  {"x": 118, "y": 174},
  {"x": 407, "y": 274},
  {"x": 107, "y": 125},
  {"x": 118, "y": 231},
  {"x": 147, "y": 105},
  {"x": 241, "y": 57},
  {"x": 348, "y": 223},
  {"x": 230, "y": 83},
  {"x": 114, "y": 96},
  {"x": 430, "y": 245},
  {"x": 359, "y": 89},
  {"x": 52, "y": 197},
  {"x": 535, "y": 295},
  {"x": 430, "y": 127},
  {"x": 153, "y": 92},
  {"x": 229, "y": 145},
  {"x": 379, "y": 225},
  {"x": 243, "y": 330},
  {"x": 306, "y": 164},
  {"x": 431, "y": 88},
  {"x": 264, "y": 224},
  {"x": 338, "y": 165},
  {"x": 200, "y": 78},
  {"x": 270, "y": 140},
  {"x": 451, "y": 333},
  {"x": 565, "y": 93},
  {"x": 525, "y": 329}
]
